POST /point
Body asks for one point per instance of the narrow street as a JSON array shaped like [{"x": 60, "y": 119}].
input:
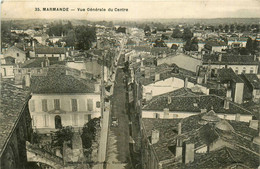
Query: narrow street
[{"x": 118, "y": 155}]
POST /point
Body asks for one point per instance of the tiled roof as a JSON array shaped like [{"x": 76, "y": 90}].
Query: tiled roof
[
  {"x": 12, "y": 102},
  {"x": 215, "y": 43},
  {"x": 194, "y": 104},
  {"x": 230, "y": 59},
  {"x": 34, "y": 63},
  {"x": 252, "y": 79},
  {"x": 193, "y": 131},
  {"x": 50, "y": 50},
  {"x": 57, "y": 81},
  {"x": 227, "y": 74}
]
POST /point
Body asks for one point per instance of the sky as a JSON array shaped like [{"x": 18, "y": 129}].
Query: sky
[{"x": 152, "y": 9}]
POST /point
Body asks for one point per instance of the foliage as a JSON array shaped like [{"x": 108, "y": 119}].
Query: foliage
[
  {"x": 164, "y": 37},
  {"x": 177, "y": 33},
  {"x": 159, "y": 43},
  {"x": 187, "y": 34},
  {"x": 63, "y": 134},
  {"x": 89, "y": 132},
  {"x": 36, "y": 138},
  {"x": 84, "y": 37},
  {"x": 191, "y": 45},
  {"x": 121, "y": 30},
  {"x": 174, "y": 47},
  {"x": 147, "y": 28}
]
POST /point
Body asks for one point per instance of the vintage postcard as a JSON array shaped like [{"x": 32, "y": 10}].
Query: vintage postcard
[{"x": 112, "y": 84}]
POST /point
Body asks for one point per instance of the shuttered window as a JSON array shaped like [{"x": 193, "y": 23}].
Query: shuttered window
[
  {"x": 90, "y": 104},
  {"x": 32, "y": 105},
  {"x": 44, "y": 105},
  {"x": 46, "y": 120},
  {"x": 57, "y": 104},
  {"x": 74, "y": 104}
]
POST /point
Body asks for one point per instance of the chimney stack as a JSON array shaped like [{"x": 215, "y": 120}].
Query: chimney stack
[
  {"x": 254, "y": 57},
  {"x": 169, "y": 99},
  {"x": 179, "y": 149},
  {"x": 253, "y": 124},
  {"x": 157, "y": 77},
  {"x": 41, "y": 64},
  {"x": 27, "y": 80},
  {"x": 189, "y": 153},
  {"x": 226, "y": 103},
  {"x": 186, "y": 82},
  {"x": 155, "y": 136},
  {"x": 179, "y": 128},
  {"x": 205, "y": 78},
  {"x": 148, "y": 96},
  {"x": 147, "y": 72},
  {"x": 220, "y": 57}
]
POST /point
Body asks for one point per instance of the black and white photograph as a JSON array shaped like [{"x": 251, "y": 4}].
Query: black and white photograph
[{"x": 110, "y": 84}]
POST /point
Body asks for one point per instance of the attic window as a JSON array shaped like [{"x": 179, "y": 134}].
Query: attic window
[{"x": 195, "y": 104}]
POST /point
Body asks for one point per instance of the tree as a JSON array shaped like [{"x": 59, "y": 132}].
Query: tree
[
  {"x": 164, "y": 37},
  {"x": 70, "y": 39},
  {"x": 84, "y": 37},
  {"x": 64, "y": 134},
  {"x": 174, "y": 47},
  {"x": 191, "y": 45},
  {"x": 89, "y": 132},
  {"x": 249, "y": 45},
  {"x": 147, "y": 28},
  {"x": 187, "y": 34},
  {"x": 159, "y": 43},
  {"x": 177, "y": 33}
]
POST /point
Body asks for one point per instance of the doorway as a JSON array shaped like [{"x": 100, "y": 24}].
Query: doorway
[{"x": 58, "y": 124}]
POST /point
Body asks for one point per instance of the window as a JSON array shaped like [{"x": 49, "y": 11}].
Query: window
[
  {"x": 44, "y": 105},
  {"x": 90, "y": 104},
  {"x": 17, "y": 54},
  {"x": 251, "y": 70},
  {"x": 57, "y": 104},
  {"x": 87, "y": 117},
  {"x": 244, "y": 70},
  {"x": 32, "y": 106},
  {"x": 74, "y": 104},
  {"x": 19, "y": 71},
  {"x": 46, "y": 120},
  {"x": 74, "y": 119},
  {"x": 97, "y": 104}
]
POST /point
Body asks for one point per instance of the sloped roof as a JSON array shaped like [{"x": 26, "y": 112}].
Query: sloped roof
[
  {"x": 57, "y": 81},
  {"x": 253, "y": 80},
  {"x": 230, "y": 59},
  {"x": 12, "y": 102},
  {"x": 194, "y": 104},
  {"x": 50, "y": 50},
  {"x": 227, "y": 74},
  {"x": 34, "y": 63}
]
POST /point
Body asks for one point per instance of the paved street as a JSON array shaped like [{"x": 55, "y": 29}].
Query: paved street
[{"x": 118, "y": 154}]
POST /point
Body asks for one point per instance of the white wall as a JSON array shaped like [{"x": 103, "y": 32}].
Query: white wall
[
  {"x": 7, "y": 71},
  {"x": 239, "y": 68},
  {"x": 38, "y": 115}
]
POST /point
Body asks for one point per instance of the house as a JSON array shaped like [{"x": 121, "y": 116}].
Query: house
[
  {"x": 14, "y": 55},
  {"x": 41, "y": 38},
  {"x": 60, "y": 100},
  {"x": 7, "y": 71},
  {"x": 236, "y": 42},
  {"x": 252, "y": 86},
  {"x": 239, "y": 63},
  {"x": 216, "y": 46},
  {"x": 15, "y": 126},
  {"x": 182, "y": 103},
  {"x": 58, "y": 52},
  {"x": 177, "y": 41},
  {"x": 200, "y": 141}
]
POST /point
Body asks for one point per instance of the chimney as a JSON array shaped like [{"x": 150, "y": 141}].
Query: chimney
[
  {"x": 203, "y": 110},
  {"x": 169, "y": 99},
  {"x": 166, "y": 113},
  {"x": 253, "y": 124},
  {"x": 41, "y": 64},
  {"x": 27, "y": 80},
  {"x": 237, "y": 118},
  {"x": 220, "y": 57},
  {"x": 155, "y": 136},
  {"x": 189, "y": 153},
  {"x": 148, "y": 96},
  {"x": 205, "y": 78},
  {"x": 142, "y": 63},
  {"x": 254, "y": 57},
  {"x": 147, "y": 72},
  {"x": 157, "y": 77},
  {"x": 186, "y": 82},
  {"x": 226, "y": 103},
  {"x": 199, "y": 79},
  {"x": 179, "y": 128},
  {"x": 97, "y": 87},
  {"x": 178, "y": 152}
]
